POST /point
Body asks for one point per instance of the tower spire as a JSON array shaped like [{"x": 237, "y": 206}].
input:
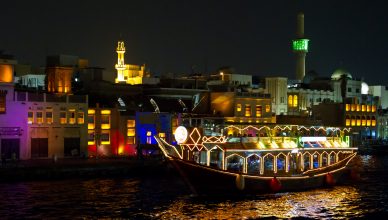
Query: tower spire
[
  {"x": 120, "y": 65},
  {"x": 300, "y": 47}
]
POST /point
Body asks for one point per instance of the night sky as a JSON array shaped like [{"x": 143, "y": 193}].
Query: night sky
[{"x": 254, "y": 37}]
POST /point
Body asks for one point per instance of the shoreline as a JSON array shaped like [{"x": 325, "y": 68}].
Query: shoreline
[{"x": 46, "y": 169}]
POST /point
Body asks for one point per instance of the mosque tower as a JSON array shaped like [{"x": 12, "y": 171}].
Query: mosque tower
[
  {"x": 120, "y": 66},
  {"x": 300, "y": 47}
]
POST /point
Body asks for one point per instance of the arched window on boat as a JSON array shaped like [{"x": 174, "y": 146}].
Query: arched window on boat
[
  {"x": 268, "y": 163},
  {"x": 281, "y": 163},
  {"x": 332, "y": 158},
  {"x": 325, "y": 159},
  {"x": 253, "y": 164},
  {"x": 315, "y": 157},
  {"x": 235, "y": 163},
  {"x": 216, "y": 157},
  {"x": 306, "y": 161},
  {"x": 347, "y": 120}
]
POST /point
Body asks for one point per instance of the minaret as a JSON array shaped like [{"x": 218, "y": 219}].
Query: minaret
[
  {"x": 300, "y": 47},
  {"x": 120, "y": 66}
]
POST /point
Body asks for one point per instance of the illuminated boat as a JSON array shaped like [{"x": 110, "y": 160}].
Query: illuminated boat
[{"x": 259, "y": 159}]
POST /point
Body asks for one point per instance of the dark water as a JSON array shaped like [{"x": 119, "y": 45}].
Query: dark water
[{"x": 164, "y": 196}]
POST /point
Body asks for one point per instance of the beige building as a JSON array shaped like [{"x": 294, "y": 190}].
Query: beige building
[{"x": 277, "y": 88}]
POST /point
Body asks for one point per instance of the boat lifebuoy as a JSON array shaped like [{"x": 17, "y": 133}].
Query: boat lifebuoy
[
  {"x": 275, "y": 184},
  {"x": 240, "y": 182},
  {"x": 329, "y": 179}
]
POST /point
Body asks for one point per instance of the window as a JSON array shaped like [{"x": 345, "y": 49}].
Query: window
[
  {"x": 105, "y": 137},
  {"x": 290, "y": 100},
  {"x": 149, "y": 134},
  {"x": 267, "y": 108},
  {"x": 91, "y": 139},
  {"x": 81, "y": 118},
  {"x": 347, "y": 120},
  {"x": 105, "y": 119},
  {"x": 162, "y": 136},
  {"x": 30, "y": 117},
  {"x": 295, "y": 104},
  {"x": 39, "y": 117},
  {"x": 358, "y": 108},
  {"x": 247, "y": 110},
  {"x": 2, "y": 103},
  {"x": 62, "y": 117},
  {"x": 373, "y": 122},
  {"x": 373, "y": 108},
  {"x": 367, "y": 121},
  {"x": 72, "y": 116},
  {"x": 49, "y": 115},
  {"x": 349, "y": 89},
  {"x": 358, "y": 90},
  {"x": 131, "y": 132},
  {"x": 282, "y": 100},
  {"x": 363, "y": 108},
  {"x": 258, "y": 110},
  {"x": 238, "y": 107},
  {"x": 368, "y": 108},
  {"x": 353, "y": 121},
  {"x": 91, "y": 119},
  {"x": 353, "y": 107},
  {"x": 363, "y": 121},
  {"x": 358, "y": 121},
  {"x": 347, "y": 107}
]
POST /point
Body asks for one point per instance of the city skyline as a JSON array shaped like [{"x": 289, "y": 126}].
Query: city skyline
[{"x": 175, "y": 36}]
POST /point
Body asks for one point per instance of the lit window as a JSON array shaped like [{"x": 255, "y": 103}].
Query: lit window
[
  {"x": 91, "y": 139},
  {"x": 363, "y": 121},
  {"x": 91, "y": 119},
  {"x": 81, "y": 117},
  {"x": 295, "y": 104},
  {"x": 353, "y": 107},
  {"x": 347, "y": 120},
  {"x": 363, "y": 108},
  {"x": 30, "y": 117},
  {"x": 368, "y": 108},
  {"x": 238, "y": 107},
  {"x": 358, "y": 121},
  {"x": 131, "y": 123},
  {"x": 367, "y": 121},
  {"x": 247, "y": 110},
  {"x": 2, "y": 103},
  {"x": 49, "y": 115},
  {"x": 149, "y": 137},
  {"x": 105, "y": 137},
  {"x": 162, "y": 136},
  {"x": 267, "y": 108},
  {"x": 62, "y": 117},
  {"x": 373, "y": 121},
  {"x": 258, "y": 110},
  {"x": 347, "y": 107},
  {"x": 353, "y": 121},
  {"x": 131, "y": 132},
  {"x": 105, "y": 119},
  {"x": 39, "y": 117},
  {"x": 358, "y": 108},
  {"x": 290, "y": 100},
  {"x": 373, "y": 108},
  {"x": 71, "y": 116}
]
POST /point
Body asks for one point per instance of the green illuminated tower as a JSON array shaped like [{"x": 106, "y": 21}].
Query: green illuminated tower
[{"x": 300, "y": 47}]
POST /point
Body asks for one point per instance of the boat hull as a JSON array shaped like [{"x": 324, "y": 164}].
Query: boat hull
[{"x": 207, "y": 180}]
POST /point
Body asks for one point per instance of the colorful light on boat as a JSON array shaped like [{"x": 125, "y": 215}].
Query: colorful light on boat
[{"x": 180, "y": 134}]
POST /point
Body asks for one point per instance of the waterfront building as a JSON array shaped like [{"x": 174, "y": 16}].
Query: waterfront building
[{"x": 277, "y": 88}]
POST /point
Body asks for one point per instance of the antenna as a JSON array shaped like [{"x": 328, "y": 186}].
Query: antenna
[{"x": 155, "y": 106}]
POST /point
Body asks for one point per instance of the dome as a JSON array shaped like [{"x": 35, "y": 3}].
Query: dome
[
  {"x": 341, "y": 73},
  {"x": 364, "y": 88}
]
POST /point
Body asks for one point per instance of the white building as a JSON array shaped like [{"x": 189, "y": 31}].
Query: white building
[
  {"x": 382, "y": 92},
  {"x": 277, "y": 88}
]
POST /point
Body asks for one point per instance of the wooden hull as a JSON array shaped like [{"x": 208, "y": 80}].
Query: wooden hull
[{"x": 206, "y": 180}]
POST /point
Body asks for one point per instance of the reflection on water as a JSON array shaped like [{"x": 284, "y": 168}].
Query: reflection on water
[{"x": 165, "y": 196}]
